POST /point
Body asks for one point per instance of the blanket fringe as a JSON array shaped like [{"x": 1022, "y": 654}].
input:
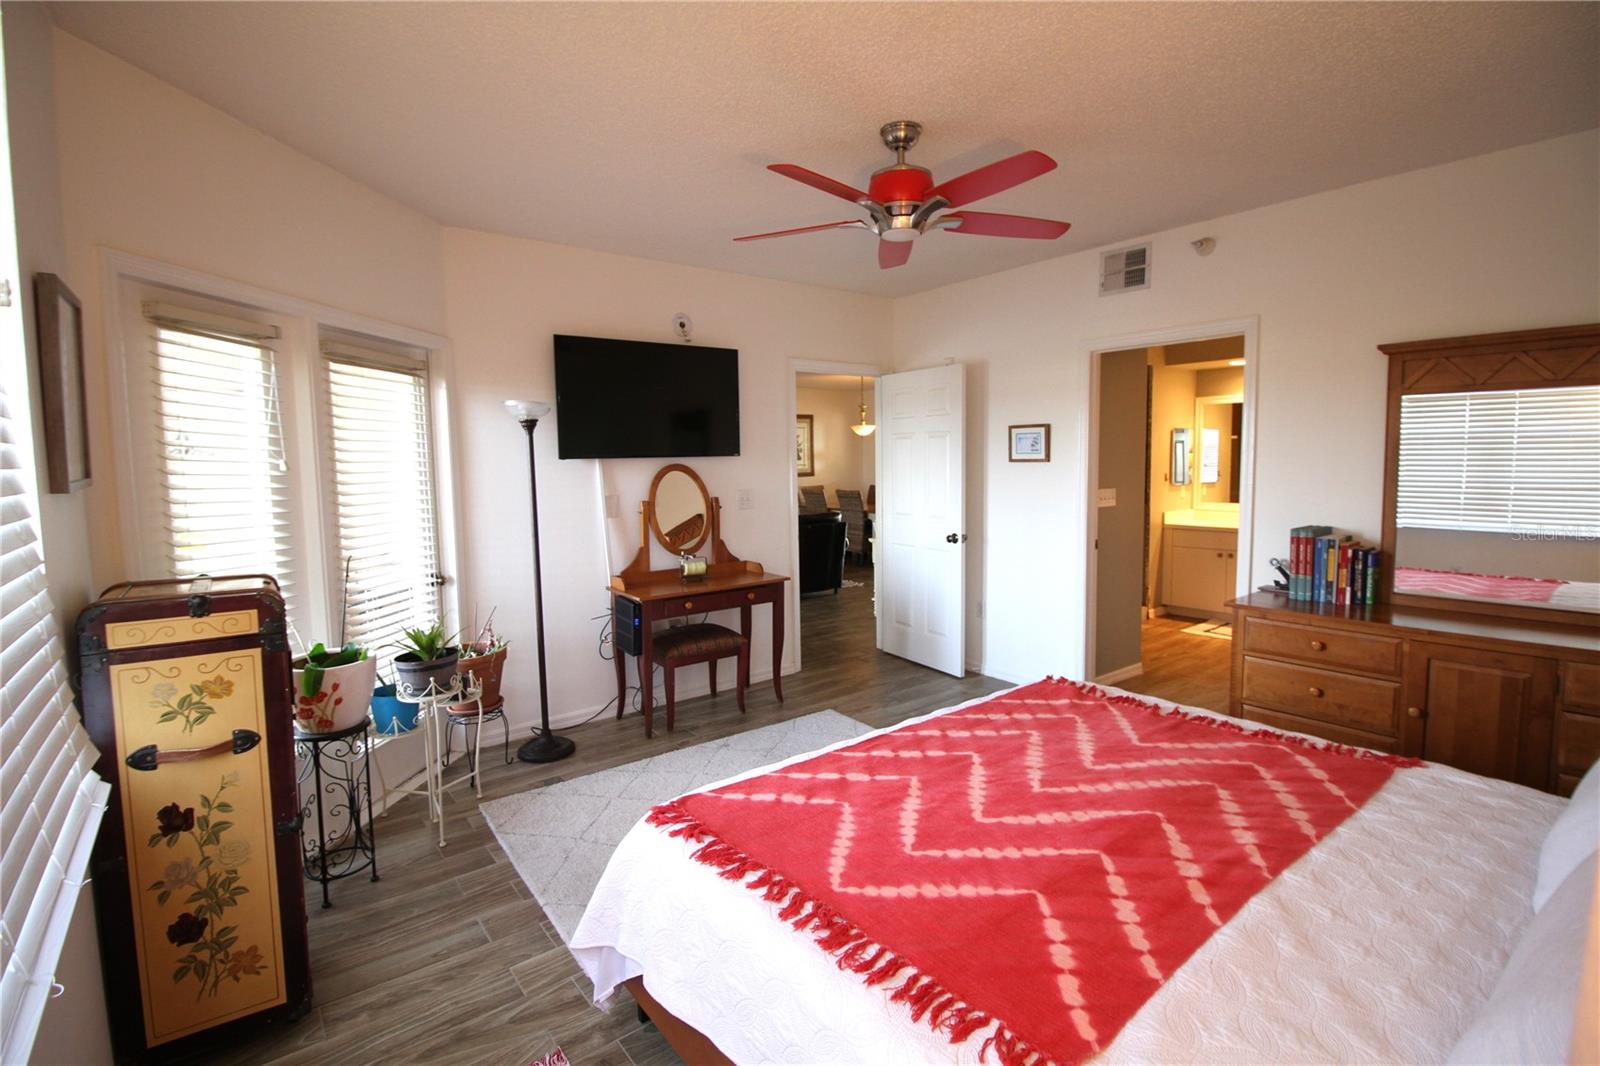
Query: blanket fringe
[
  {"x": 1400, "y": 761},
  {"x": 929, "y": 1001}
]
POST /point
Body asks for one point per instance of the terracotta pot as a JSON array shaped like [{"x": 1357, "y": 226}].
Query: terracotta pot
[
  {"x": 414, "y": 674},
  {"x": 341, "y": 700},
  {"x": 486, "y": 670}
]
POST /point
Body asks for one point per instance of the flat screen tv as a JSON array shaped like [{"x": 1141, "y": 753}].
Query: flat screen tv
[{"x": 637, "y": 399}]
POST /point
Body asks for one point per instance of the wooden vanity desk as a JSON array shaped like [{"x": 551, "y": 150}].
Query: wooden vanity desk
[{"x": 729, "y": 582}]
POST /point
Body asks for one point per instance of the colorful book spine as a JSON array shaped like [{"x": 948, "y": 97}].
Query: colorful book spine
[
  {"x": 1297, "y": 554},
  {"x": 1341, "y": 586},
  {"x": 1358, "y": 577},
  {"x": 1319, "y": 569},
  {"x": 1373, "y": 562}
]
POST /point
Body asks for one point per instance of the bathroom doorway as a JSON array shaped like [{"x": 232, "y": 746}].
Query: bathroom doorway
[{"x": 1170, "y": 481}]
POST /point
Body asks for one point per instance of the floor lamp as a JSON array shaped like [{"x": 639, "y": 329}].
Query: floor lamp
[{"x": 545, "y": 746}]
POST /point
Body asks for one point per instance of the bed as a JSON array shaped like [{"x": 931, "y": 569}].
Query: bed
[{"x": 1380, "y": 944}]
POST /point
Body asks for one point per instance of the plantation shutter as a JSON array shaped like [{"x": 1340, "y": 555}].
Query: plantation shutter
[
  {"x": 380, "y": 490},
  {"x": 52, "y": 798},
  {"x": 1517, "y": 461},
  {"x": 222, "y": 472}
]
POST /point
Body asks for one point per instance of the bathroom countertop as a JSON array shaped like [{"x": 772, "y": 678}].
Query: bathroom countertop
[{"x": 1223, "y": 520}]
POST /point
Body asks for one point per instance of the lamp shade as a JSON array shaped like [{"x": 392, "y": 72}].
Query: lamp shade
[{"x": 527, "y": 410}]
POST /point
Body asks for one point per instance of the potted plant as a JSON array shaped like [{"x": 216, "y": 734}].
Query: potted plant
[
  {"x": 485, "y": 658},
  {"x": 333, "y": 689},
  {"x": 390, "y": 713},
  {"x": 427, "y": 657}
]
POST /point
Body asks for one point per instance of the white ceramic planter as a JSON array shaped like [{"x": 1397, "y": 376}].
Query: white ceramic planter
[{"x": 341, "y": 701}]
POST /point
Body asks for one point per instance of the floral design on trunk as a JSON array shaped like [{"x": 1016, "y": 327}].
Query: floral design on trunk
[
  {"x": 211, "y": 879},
  {"x": 194, "y": 706}
]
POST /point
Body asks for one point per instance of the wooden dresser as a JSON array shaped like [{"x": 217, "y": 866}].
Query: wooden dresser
[{"x": 1518, "y": 700}]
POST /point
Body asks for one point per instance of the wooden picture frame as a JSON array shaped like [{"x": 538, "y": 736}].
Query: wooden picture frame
[
  {"x": 1028, "y": 443},
  {"x": 805, "y": 459},
  {"x": 61, "y": 396}
]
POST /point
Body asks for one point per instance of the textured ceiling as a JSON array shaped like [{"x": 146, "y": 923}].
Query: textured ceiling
[{"x": 644, "y": 128}]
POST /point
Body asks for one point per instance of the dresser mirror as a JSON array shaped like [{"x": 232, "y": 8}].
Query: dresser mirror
[
  {"x": 680, "y": 509},
  {"x": 1220, "y": 421},
  {"x": 1492, "y": 497}
]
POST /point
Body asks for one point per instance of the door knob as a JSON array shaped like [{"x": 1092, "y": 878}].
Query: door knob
[
  {"x": 1414, "y": 712},
  {"x": 955, "y": 538}
]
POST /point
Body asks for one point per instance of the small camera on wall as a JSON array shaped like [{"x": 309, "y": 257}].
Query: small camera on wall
[{"x": 683, "y": 326}]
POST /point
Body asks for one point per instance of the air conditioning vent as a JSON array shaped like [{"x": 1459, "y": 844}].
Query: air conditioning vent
[{"x": 1125, "y": 270}]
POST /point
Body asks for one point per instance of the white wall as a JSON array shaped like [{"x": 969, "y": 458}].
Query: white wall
[
  {"x": 843, "y": 460},
  {"x": 148, "y": 169},
  {"x": 506, "y": 297},
  {"x": 1498, "y": 242}
]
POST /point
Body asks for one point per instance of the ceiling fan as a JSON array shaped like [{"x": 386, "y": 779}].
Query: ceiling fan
[{"x": 902, "y": 199}]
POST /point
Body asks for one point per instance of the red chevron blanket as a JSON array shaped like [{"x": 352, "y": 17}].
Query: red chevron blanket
[{"x": 1031, "y": 868}]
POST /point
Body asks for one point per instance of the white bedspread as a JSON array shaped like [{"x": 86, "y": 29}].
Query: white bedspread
[{"x": 1376, "y": 946}]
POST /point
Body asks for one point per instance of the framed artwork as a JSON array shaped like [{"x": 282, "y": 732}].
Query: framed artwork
[
  {"x": 804, "y": 458},
  {"x": 1030, "y": 444},
  {"x": 66, "y": 424}
]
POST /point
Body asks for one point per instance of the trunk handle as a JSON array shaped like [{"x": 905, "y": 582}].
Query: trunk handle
[{"x": 149, "y": 756}]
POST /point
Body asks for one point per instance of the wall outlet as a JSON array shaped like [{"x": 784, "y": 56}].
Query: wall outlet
[
  {"x": 1108, "y": 498},
  {"x": 747, "y": 500},
  {"x": 613, "y": 505}
]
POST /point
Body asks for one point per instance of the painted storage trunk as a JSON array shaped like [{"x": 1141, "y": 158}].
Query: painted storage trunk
[{"x": 197, "y": 876}]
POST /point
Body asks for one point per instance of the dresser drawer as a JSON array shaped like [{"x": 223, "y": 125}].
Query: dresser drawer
[
  {"x": 701, "y": 603},
  {"x": 1322, "y": 695},
  {"x": 1577, "y": 742},
  {"x": 1580, "y": 685},
  {"x": 1324, "y": 647},
  {"x": 1337, "y": 734}
]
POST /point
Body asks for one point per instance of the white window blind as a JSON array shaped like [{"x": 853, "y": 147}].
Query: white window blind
[
  {"x": 222, "y": 474},
  {"x": 52, "y": 799},
  {"x": 380, "y": 490},
  {"x": 1516, "y": 461}
]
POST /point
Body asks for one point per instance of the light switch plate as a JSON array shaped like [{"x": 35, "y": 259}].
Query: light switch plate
[
  {"x": 747, "y": 500},
  {"x": 1108, "y": 498}
]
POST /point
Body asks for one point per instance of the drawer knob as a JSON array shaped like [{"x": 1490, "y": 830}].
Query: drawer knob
[
  {"x": 1315, "y": 691},
  {"x": 688, "y": 605},
  {"x": 751, "y": 596},
  {"x": 1414, "y": 712},
  {"x": 1317, "y": 645}
]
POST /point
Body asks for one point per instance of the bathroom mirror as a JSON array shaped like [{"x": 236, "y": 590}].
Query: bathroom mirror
[
  {"x": 680, "y": 509},
  {"x": 1219, "y": 421},
  {"x": 1180, "y": 455},
  {"x": 1493, "y": 463}
]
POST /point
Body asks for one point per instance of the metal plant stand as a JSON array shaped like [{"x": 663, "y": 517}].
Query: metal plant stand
[
  {"x": 340, "y": 767},
  {"x": 433, "y": 706}
]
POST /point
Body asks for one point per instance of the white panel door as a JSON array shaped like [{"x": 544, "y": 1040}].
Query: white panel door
[{"x": 920, "y": 523}]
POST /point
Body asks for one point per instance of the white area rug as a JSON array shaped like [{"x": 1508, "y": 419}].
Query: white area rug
[
  {"x": 1212, "y": 629},
  {"x": 561, "y": 836}
]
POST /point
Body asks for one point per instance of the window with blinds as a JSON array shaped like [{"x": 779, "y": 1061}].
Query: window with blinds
[
  {"x": 222, "y": 475},
  {"x": 52, "y": 799},
  {"x": 1515, "y": 461},
  {"x": 380, "y": 490}
]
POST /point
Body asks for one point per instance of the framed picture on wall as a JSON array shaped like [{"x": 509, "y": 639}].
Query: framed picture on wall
[
  {"x": 66, "y": 425},
  {"x": 1030, "y": 444},
  {"x": 804, "y": 457}
]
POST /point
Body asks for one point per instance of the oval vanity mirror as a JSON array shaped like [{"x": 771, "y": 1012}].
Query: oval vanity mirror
[{"x": 680, "y": 509}]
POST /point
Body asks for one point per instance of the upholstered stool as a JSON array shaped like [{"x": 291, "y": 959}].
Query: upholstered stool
[{"x": 699, "y": 643}]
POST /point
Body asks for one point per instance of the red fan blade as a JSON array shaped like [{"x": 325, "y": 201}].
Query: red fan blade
[
  {"x": 986, "y": 224},
  {"x": 893, "y": 253},
  {"x": 996, "y": 177},
  {"x": 820, "y": 181},
  {"x": 803, "y": 229}
]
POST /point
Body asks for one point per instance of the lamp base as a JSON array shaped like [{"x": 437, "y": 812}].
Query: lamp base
[{"x": 546, "y": 747}]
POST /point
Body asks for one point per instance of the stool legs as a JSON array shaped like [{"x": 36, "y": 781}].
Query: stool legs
[
  {"x": 712, "y": 666},
  {"x": 744, "y": 674}
]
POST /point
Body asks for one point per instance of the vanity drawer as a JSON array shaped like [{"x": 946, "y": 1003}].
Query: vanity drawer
[
  {"x": 693, "y": 603},
  {"x": 1337, "y": 734},
  {"x": 1323, "y": 647},
  {"x": 1338, "y": 699},
  {"x": 1580, "y": 685},
  {"x": 1222, "y": 540},
  {"x": 1577, "y": 742}
]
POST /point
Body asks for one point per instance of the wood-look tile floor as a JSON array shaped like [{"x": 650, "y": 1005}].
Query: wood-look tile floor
[
  {"x": 1182, "y": 667},
  {"x": 448, "y": 959}
]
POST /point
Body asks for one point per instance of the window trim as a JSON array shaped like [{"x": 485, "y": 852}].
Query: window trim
[{"x": 304, "y": 325}]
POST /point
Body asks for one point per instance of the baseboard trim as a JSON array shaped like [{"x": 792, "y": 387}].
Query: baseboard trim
[{"x": 1131, "y": 670}]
